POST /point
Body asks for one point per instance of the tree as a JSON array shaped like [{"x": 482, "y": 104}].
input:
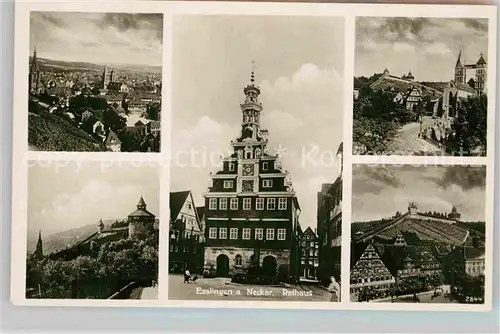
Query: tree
[
  {"x": 112, "y": 120},
  {"x": 375, "y": 120},
  {"x": 154, "y": 111},
  {"x": 131, "y": 141},
  {"x": 471, "y": 125}
]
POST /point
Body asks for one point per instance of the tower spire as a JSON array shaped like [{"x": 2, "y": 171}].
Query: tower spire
[
  {"x": 459, "y": 60},
  {"x": 38, "y": 254},
  {"x": 252, "y": 76},
  {"x": 142, "y": 204}
]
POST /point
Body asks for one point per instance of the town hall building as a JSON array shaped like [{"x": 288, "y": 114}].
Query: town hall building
[{"x": 251, "y": 210}]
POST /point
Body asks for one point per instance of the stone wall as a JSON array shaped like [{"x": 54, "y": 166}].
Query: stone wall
[{"x": 139, "y": 230}]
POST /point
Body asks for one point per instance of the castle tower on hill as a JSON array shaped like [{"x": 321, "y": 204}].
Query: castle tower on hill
[
  {"x": 454, "y": 214},
  {"x": 251, "y": 213},
  {"x": 412, "y": 209},
  {"x": 141, "y": 222}
]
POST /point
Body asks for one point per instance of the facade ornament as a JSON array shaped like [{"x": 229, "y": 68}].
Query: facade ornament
[
  {"x": 288, "y": 179},
  {"x": 240, "y": 154},
  {"x": 257, "y": 153},
  {"x": 278, "y": 164}
]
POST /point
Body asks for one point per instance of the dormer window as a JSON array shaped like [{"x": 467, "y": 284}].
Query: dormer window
[{"x": 231, "y": 166}]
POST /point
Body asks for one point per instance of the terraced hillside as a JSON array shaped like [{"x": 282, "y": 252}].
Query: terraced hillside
[
  {"x": 48, "y": 132},
  {"x": 424, "y": 228}
]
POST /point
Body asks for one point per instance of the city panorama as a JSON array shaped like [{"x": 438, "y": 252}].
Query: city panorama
[{"x": 95, "y": 82}]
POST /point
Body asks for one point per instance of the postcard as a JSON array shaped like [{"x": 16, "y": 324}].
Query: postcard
[{"x": 254, "y": 155}]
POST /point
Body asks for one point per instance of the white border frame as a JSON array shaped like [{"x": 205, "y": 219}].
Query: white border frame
[{"x": 349, "y": 11}]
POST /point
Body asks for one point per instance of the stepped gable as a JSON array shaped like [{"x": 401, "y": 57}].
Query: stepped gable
[
  {"x": 357, "y": 249},
  {"x": 419, "y": 229},
  {"x": 391, "y": 82}
]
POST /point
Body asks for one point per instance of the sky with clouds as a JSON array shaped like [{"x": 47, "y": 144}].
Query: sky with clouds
[
  {"x": 379, "y": 191},
  {"x": 116, "y": 38},
  {"x": 63, "y": 196},
  {"x": 299, "y": 68},
  {"x": 428, "y": 47}
]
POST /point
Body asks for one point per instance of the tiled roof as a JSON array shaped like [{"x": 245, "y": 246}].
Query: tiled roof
[
  {"x": 141, "y": 213},
  {"x": 463, "y": 87},
  {"x": 481, "y": 60},
  {"x": 112, "y": 138},
  {"x": 309, "y": 231},
  {"x": 177, "y": 200},
  {"x": 201, "y": 212}
]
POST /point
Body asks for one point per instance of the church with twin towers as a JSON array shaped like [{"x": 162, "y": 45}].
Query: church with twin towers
[{"x": 473, "y": 74}]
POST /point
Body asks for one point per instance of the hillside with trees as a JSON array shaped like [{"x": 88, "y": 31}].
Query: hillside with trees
[
  {"x": 376, "y": 119},
  {"x": 96, "y": 275}
]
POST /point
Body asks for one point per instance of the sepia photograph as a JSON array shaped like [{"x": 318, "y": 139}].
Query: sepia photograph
[
  {"x": 95, "y": 82},
  {"x": 420, "y": 86},
  {"x": 418, "y": 234},
  {"x": 92, "y": 230},
  {"x": 256, "y": 183}
]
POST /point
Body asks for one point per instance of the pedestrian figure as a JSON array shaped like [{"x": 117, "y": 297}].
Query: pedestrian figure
[
  {"x": 334, "y": 289},
  {"x": 187, "y": 275}
]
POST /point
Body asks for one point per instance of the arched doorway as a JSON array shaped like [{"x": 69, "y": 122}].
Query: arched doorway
[
  {"x": 269, "y": 266},
  {"x": 222, "y": 269}
]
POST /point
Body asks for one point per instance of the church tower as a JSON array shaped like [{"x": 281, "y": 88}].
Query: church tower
[
  {"x": 38, "y": 254},
  {"x": 34, "y": 75},
  {"x": 480, "y": 80},
  {"x": 251, "y": 210},
  {"x": 112, "y": 75},
  {"x": 105, "y": 77},
  {"x": 460, "y": 69}
]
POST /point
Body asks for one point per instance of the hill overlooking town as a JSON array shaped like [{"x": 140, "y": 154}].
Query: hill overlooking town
[
  {"x": 46, "y": 64},
  {"x": 61, "y": 240},
  {"x": 362, "y": 227}
]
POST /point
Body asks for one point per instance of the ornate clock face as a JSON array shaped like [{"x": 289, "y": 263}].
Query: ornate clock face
[
  {"x": 247, "y": 185},
  {"x": 247, "y": 169}
]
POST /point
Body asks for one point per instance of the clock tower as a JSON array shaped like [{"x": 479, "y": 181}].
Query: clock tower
[{"x": 251, "y": 207}]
